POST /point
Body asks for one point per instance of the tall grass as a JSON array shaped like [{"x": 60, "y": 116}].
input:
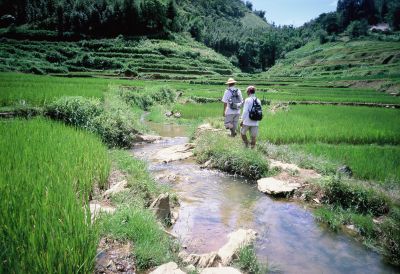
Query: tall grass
[{"x": 47, "y": 171}]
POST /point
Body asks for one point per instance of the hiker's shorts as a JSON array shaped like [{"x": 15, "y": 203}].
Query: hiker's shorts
[
  {"x": 253, "y": 130},
  {"x": 231, "y": 121}
]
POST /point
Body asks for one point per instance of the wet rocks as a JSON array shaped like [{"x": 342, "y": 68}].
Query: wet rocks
[
  {"x": 276, "y": 187},
  {"x": 237, "y": 240},
  {"x": 173, "y": 153},
  {"x": 141, "y": 138},
  {"x": 346, "y": 171},
  {"x": 114, "y": 257},
  {"x": 205, "y": 128},
  {"x": 117, "y": 188},
  {"x": 97, "y": 208},
  {"x": 202, "y": 261},
  {"x": 161, "y": 208},
  {"x": 220, "y": 270},
  {"x": 169, "y": 268},
  {"x": 225, "y": 255}
]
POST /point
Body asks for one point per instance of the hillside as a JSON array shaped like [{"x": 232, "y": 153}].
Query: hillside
[
  {"x": 358, "y": 58},
  {"x": 182, "y": 58}
]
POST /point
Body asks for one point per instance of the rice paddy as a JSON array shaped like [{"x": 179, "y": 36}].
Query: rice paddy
[{"x": 45, "y": 221}]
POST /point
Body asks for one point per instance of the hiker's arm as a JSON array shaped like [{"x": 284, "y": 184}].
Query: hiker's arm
[{"x": 225, "y": 105}]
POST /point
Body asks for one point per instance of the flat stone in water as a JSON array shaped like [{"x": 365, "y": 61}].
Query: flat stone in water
[{"x": 273, "y": 186}]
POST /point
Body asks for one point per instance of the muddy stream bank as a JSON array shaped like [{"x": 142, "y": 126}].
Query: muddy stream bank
[{"x": 214, "y": 204}]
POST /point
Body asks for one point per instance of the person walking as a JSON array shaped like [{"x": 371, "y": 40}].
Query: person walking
[
  {"x": 233, "y": 101},
  {"x": 251, "y": 116}
]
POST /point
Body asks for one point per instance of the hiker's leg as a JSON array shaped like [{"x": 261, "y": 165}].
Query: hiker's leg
[
  {"x": 243, "y": 133},
  {"x": 253, "y": 134},
  {"x": 253, "y": 142},
  {"x": 235, "y": 123},
  {"x": 228, "y": 121}
]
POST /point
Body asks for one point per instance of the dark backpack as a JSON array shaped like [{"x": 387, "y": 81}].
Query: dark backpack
[{"x": 255, "y": 112}]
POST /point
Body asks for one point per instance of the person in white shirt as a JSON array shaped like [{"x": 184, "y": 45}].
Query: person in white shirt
[
  {"x": 233, "y": 101},
  {"x": 247, "y": 124}
]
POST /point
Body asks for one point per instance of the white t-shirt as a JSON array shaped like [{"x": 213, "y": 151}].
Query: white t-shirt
[
  {"x": 248, "y": 103},
  {"x": 227, "y": 96}
]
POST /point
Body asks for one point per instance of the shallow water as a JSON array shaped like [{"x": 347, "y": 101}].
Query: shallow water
[{"x": 214, "y": 204}]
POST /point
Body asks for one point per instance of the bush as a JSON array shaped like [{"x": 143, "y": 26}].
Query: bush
[
  {"x": 359, "y": 198},
  {"x": 36, "y": 70},
  {"x": 357, "y": 29},
  {"x": 146, "y": 99},
  {"x": 323, "y": 37},
  {"x": 113, "y": 124},
  {"x": 76, "y": 111}
]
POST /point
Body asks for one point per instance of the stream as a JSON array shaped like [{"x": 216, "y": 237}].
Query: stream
[{"x": 214, "y": 204}]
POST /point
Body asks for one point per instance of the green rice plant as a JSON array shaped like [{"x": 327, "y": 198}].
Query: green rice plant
[
  {"x": 332, "y": 124},
  {"x": 230, "y": 155},
  {"x": 200, "y": 111},
  {"x": 47, "y": 172},
  {"x": 369, "y": 162},
  {"x": 39, "y": 90}
]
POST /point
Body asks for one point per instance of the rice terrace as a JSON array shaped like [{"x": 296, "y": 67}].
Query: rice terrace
[{"x": 118, "y": 155}]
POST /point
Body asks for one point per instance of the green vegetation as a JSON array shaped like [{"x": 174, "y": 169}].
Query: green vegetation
[
  {"x": 230, "y": 155},
  {"x": 341, "y": 60},
  {"x": 181, "y": 58},
  {"x": 247, "y": 261},
  {"x": 44, "y": 207},
  {"x": 346, "y": 202},
  {"x": 369, "y": 162},
  {"x": 114, "y": 121},
  {"x": 332, "y": 124},
  {"x": 133, "y": 221}
]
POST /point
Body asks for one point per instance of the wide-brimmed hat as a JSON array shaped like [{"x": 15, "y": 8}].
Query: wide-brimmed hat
[{"x": 231, "y": 81}]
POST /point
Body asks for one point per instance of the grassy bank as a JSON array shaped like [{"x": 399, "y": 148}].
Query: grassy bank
[
  {"x": 133, "y": 221},
  {"x": 45, "y": 219},
  {"x": 228, "y": 154}
]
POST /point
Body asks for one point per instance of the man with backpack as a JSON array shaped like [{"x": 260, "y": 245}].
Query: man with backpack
[
  {"x": 252, "y": 115},
  {"x": 233, "y": 101}
]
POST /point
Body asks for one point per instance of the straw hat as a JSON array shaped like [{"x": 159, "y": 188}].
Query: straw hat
[{"x": 231, "y": 81}]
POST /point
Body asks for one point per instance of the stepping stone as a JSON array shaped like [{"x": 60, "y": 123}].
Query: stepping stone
[{"x": 276, "y": 187}]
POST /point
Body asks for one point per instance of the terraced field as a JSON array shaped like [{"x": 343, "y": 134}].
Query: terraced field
[
  {"x": 341, "y": 60},
  {"x": 181, "y": 59}
]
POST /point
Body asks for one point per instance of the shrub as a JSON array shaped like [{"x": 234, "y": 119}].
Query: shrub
[
  {"x": 114, "y": 123},
  {"x": 36, "y": 70},
  {"x": 76, "y": 111},
  {"x": 357, "y": 28},
  {"x": 147, "y": 98}
]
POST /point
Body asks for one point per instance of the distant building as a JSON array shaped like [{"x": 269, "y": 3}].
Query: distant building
[{"x": 380, "y": 27}]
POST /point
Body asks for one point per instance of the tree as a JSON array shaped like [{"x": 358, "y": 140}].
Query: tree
[
  {"x": 368, "y": 11},
  {"x": 357, "y": 28},
  {"x": 249, "y": 5},
  {"x": 172, "y": 14},
  {"x": 384, "y": 10},
  {"x": 130, "y": 17}
]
